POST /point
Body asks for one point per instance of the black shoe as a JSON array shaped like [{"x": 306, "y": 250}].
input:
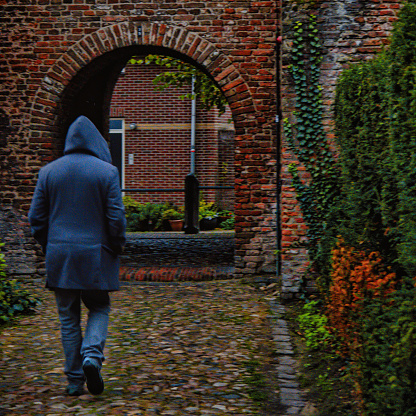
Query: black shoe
[
  {"x": 95, "y": 383},
  {"x": 75, "y": 390}
]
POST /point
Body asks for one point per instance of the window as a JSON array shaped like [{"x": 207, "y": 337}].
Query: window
[{"x": 117, "y": 146}]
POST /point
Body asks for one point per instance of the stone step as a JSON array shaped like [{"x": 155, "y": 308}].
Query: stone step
[{"x": 175, "y": 274}]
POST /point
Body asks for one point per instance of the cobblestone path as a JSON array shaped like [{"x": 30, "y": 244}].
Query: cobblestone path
[{"x": 173, "y": 349}]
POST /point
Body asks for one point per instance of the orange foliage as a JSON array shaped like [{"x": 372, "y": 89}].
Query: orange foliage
[{"x": 356, "y": 276}]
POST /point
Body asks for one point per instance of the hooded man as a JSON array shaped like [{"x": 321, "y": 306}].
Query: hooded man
[{"x": 77, "y": 215}]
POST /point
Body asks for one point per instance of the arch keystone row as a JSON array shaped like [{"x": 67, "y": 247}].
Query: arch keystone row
[{"x": 127, "y": 34}]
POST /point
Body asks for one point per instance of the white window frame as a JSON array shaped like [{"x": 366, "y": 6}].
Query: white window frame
[{"x": 122, "y": 131}]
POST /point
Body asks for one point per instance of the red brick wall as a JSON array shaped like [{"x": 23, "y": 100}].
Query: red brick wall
[
  {"x": 61, "y": 58},
  {"x": 160, "y": 143}
]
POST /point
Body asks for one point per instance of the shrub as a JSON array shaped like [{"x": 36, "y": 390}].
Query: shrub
[
  {"x": 372, "y": 300},
  {"x": 373, "y": 315},
  {"x": 356, "y": 277},
  {"x": 376, "y": 130},
  {"x": 386, "y": 363},
  {"x": 314, "y": 324},
  {"x": 402, "y": 78},
  {"x": 173, "y": 214},
  {"x": 207, "y": 209},
  {"x": 229, "y": 223},
  {"x": 13, "y": 300},
  {"x": 362, "y": 124},
  {"x": 130, "y": 205},
  {"x": 144, "y": 217}
]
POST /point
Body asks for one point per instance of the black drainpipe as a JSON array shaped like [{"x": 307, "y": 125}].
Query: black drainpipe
[{"x": 279, "y": 13}]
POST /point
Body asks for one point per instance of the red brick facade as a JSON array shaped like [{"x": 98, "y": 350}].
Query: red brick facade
[
  {"x": 62, "y": 58},
  {"x": 157, "y": 139}
]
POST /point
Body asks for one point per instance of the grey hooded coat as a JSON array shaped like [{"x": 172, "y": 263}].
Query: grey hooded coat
[{"x": 77, "y": 213}]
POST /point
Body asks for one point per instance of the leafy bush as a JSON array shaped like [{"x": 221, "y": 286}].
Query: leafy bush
[
  {"x": 385, "y": 367},
  {"x": 207, "y": 209},
  {"x": 356, "y": 277},
  {"x": 173, "y": 214},
  {"x": 229, "y": 223},
  {"x": 402, "y": 78},
  {"x": 373, "y": 315},
  {"x": 144, "y": 217},
  {"x": 314, "y": 325},
  {"x": 13, "y": 300},
  {"x": 376, "y": 130},
  {"x": 362, "y": 135},
  {"x": 130, "y": 205}
]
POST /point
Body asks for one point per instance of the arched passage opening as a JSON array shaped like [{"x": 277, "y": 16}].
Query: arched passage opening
[
  {"x": 151, "y": 136},
  {"x": 89, "y": 92}
]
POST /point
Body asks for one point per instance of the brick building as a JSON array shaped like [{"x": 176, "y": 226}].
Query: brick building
[
  {"x": 150, "y": 138},
  {"x": 63, "y": 58}
]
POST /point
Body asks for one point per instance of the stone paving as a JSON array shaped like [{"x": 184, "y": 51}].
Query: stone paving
[
  {"x": 173, "y": 349},
  {"x": 291, "y": 397}
]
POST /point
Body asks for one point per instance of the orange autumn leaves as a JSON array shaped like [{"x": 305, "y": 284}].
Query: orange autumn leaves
[{"x": 356, "y": 277}]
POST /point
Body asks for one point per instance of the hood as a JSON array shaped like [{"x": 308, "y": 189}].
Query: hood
[{"x": 84, "y": 137}]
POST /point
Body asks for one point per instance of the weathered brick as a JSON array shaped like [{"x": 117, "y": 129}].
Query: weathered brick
[{"x": 55, "y": 43}]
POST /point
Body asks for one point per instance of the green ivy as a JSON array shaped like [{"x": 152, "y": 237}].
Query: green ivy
[
  {"x": 179, "y": 73},
  {"x": 307, "y": 139}
]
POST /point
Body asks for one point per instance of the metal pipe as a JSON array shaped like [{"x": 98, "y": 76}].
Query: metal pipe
[
  {"x": 193, "y": 126},
  {"x": 278, "y": 51}
]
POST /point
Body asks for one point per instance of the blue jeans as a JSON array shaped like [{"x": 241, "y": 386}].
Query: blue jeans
[{"x": 77, "y": 348}]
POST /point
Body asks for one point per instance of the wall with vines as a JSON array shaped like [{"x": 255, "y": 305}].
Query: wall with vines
[{"x": 346, "y": 32}]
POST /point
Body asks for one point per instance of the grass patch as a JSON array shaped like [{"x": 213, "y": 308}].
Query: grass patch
[{"x": 323, "y": 374}]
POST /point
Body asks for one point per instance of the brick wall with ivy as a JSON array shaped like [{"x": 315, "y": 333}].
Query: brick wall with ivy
[{"x": 347, "y": 32}]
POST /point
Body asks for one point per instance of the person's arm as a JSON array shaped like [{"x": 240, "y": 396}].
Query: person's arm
[
  {"x": 39, "y": 214},
  {"x": 115, "y": 214}
]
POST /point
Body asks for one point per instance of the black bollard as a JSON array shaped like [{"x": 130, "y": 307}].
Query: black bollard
[{"x": 191, "y": 204}]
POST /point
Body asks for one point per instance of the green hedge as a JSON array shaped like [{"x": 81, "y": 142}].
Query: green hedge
[
  {"x": 362, "y": 126},
  {"x": 376, "y": 133},
  {"x": 403, "y": 132}
]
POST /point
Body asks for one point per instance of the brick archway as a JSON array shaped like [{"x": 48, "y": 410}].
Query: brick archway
[
  {"x": 109, "y": 48},
  {"x": 170, "y": 40}
]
